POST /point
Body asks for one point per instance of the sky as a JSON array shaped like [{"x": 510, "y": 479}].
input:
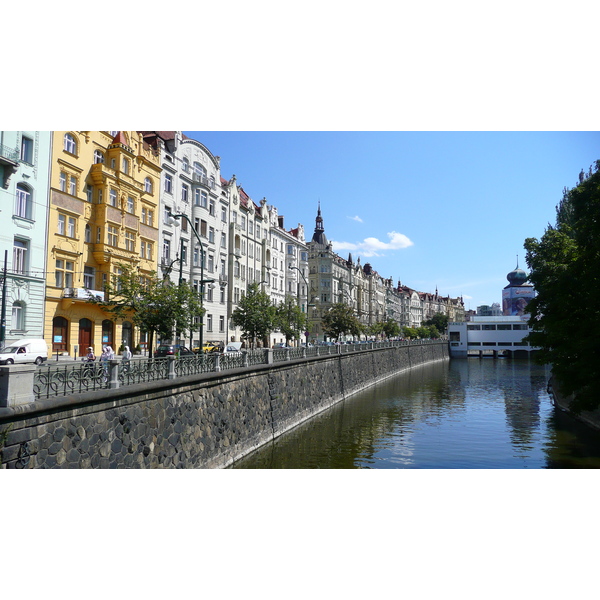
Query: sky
[{"x": 443, "y": 210}]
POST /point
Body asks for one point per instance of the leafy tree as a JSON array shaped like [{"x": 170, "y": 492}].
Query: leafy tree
[
  {"x": 565, "y": 272},
  {"x": 410, "y": 333},
  {"x": 391, "y": 328},
  {"x": 439, "y": 321},
  {"x": 427, "y": 331},
  {"x": 290, "y": 319},
  {"x": 254, "y": 314},
  {"x": 156, "y": 306},
  {"x": 376, "y": 328},
  {"x": 340, "y": 319}
]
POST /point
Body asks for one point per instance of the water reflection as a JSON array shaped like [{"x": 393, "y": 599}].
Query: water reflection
[{"x": 463, "y": 414}]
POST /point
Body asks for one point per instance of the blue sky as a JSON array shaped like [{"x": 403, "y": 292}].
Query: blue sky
[{"x": 446, "y": 209}]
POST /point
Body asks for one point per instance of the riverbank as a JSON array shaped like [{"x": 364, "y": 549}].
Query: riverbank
[{"x": 590, "y": 418}]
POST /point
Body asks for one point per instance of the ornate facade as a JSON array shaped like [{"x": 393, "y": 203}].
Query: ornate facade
[{"x": 104, "y": 211}]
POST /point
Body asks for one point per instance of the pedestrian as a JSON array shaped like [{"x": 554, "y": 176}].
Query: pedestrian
[
  {"x": 125, "y": 358},
  {"x": 91, "y": 357},
  {"x": 111, "y": 353}
]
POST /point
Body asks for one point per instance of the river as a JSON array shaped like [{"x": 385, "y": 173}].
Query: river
[{"x": 462, "y": 414}]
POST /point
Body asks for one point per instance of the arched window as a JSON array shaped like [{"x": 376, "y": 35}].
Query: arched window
[
  {"x": 23, "y": 202},
  {"x": 69, "y": 144},
  {"x": 148, "y": 185},
  {"x": 18, "y": 315},
  {"x": 98, "y": 157}
]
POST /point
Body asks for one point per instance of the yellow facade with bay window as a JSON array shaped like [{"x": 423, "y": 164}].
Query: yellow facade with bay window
[{"x": 104, "y": 209}]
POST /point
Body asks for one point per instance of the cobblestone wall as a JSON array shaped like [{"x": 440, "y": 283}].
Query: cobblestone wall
[{"x": 201, "y": 421}]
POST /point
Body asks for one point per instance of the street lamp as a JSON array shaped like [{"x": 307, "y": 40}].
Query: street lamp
[
  {"x": 174, "y": 220},
  {"x": 292, "y": 267}
]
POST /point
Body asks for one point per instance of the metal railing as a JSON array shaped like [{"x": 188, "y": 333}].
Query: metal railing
[{"x": 54, "y": 380}]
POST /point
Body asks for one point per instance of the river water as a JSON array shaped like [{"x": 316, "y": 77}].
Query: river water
[{"x": 462, "y": 414}]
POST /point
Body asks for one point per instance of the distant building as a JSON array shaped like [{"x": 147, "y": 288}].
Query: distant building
[
  {"x": 489, "y": 311},
  {"x": 517, "y": 294}
]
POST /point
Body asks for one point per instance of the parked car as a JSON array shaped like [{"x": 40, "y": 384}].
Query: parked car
[
  {"x": 209, "y": 347},
  {"x": 233, "y": 347},
  {"x": 172, "y": 350},
  {"x": 280, "y": 345},
  {"x": 24, "y": 351}
]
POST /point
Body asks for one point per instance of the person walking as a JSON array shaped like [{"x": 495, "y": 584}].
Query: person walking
[{"x": 125, "y": 358}]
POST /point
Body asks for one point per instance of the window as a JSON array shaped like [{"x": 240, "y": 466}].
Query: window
[
  {"x": 89, "y": 193},
  {"x": 112, "y": 197},
  {"x": 130, "y": 241},
  {"x": 203, "y": 228},
  {"x": 148, "y": 185},
  {"x": 125, "y": 168},
  {"x": 150, "y": 217},
  {"x": 72, "y": 186},
  {"x": 243, "y": 222},
  {"x": 184, "y": 192},
  {"x": 89, "y": 277},
  {"x": 27, "y": 150},
  {"x": 23, "y": 203},
  {"x": 211, "y": 263},
  {"x": 62, "y": 181},
  {"x": 98, "y": 157},
  {"x": 143, "y": 249},
  {"x": 209, "y": 293},
  {"x": 185, "y": 165},
  {"x": 200, "y": 171},
  {"x": 166, "y": 250},
  {"x": 149, "y": 249},
  {"x": 69, "y": 144},
  {"x": 88, "y": 233},
  {"x": 144, "y": 213},
  {"x": 257, "y": 231},
  {"x": 168, "y": 183},
  {"x": 184, "y": 253},
  {"x": 61, "y": 224},
  {"x": 520, "y": 327},
  {"x": 209, "y": 324},
  {"x": 99, "y": 235},
  {"x": 211, "y": 208},
  {"x": 113, "y": 163},
  {"x": 18, "y": 317},
  {"x": 20, "y": 248},
  {"x": 71, "y": 227},
  {"x": 113, "y": 236},
  {"x": 130, "y": 205},
  {"x": 236, "y": 295},
  {"x": 64, "y": 273},
  {"x": 250, "y": 227},
  {"x": 221, "y": 323},
  {"x": 99, "y": 196},
  {"x": 223, "y": 240},
  {"x": 196, "y": 256},
  {"x": 224, "y": 215},
  {"x": 211, "y": 235}
]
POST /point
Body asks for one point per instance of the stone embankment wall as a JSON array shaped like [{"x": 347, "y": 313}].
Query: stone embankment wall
[{"x": 206, "y": 421}]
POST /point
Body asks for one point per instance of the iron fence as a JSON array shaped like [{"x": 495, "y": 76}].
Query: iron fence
[{"x": 52, "y": 380}]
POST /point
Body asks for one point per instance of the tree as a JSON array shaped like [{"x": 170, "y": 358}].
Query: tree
[
  {"x": 376, "y": 329},
  {"x": 290, "y": 319},
  {"x": 254, "y": 314},
  {"x": 565, "y": 272},
  {"x": 155, "y": 305},
  {"x": 391, "y": 328},
  {"x": 340, "y": 319},
  {"x": 439, "y": 321},
  {"x": 410, "y": 333}
]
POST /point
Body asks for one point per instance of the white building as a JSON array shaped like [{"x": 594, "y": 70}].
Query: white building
[
  {"x": 191, "y": 185},
  {"x": 489, "y": 335},
  {"x": 24, "y": 183}
]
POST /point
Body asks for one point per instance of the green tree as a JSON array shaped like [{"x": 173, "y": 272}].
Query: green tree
[
  {"x": 340, "y": 319},
  {"x": 254, "y": 314},
  {"x": 156, "y": 306},
  {"x": 565, "y": 272},
  {"x": 376, "y": 329},
  {"x": 391, "y": 328},
  {"x": 290, "y": 319},
  {"x": 410, "y": 333},
  {"x": 439, "y": 321}
]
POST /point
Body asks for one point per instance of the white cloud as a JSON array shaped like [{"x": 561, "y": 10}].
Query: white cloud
[
  {"x": 356, "y": 218},
  {"x": 373, "y": 247}
]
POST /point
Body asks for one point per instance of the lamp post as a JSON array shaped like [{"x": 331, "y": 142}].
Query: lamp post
[
  {"x": 292, "y": 267},
  {"x": 173, "y": 220}
]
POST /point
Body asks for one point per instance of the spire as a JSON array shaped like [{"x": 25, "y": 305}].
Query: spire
[{"x": 319, "y": 235}]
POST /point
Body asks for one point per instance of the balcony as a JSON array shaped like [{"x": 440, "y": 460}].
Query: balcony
[
  {"x": 8, "y": 159},
  {"x": 204, "y": 180},
  {"x": 82, "y": 294}
]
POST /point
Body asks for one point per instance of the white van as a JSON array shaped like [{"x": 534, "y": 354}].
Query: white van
[{"x": 24, "y": 351}]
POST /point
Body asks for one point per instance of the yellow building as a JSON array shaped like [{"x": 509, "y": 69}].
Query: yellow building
[{"x": 104, "y": 203}]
